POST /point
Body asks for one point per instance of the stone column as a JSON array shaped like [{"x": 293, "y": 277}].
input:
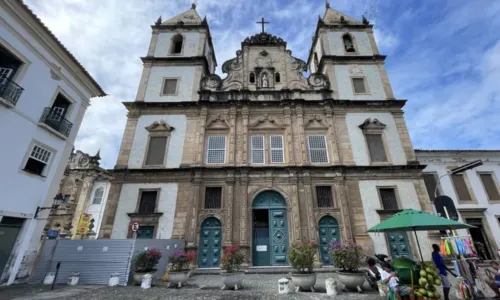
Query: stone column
[
  {"x": 404, "y": 136},
  {"x": 294, "y": 210},
  {"x": 244, "y": 114},
  {"x": 200, "y": 136},
  {"x": 143, "y": 84},
  {"x": 232, "y": 136},
  {"x": 244, "y": 213},
  {"x": 127, "y": 140},
  {"x": 332, "y": 136},
  {"x": 288, "y": 142},
  {"x": 345, "y": 209},
  {"x": 192, "y": 211},
  {"x": 311, "y": 222},
  {"x": 302, "y": 138},
  {"x": 109, "y": 215},
  {"x": 342, "y": 136},
  {"x": 228, "y": 226}
]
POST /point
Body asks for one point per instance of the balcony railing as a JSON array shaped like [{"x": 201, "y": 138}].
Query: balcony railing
[
  {"x": 56, "y": 121},
  {"x": 10, "y": 91}
]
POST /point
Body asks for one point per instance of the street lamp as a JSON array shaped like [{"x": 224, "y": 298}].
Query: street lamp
[
  {"x": 458, "y": 170},
  {"x": 58, "y": 200}
]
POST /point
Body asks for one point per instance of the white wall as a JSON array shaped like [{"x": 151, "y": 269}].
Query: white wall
[
  {"x": 361, "y": 43},
  {"x": 185, "y": 75},
  {"x": 97, "y": 210},
  {"x": 358, "y": 142},
  {"x": 343, "y": 74},
  {"x": 492, "y": 212},
  {"x": 23, "y": 192},
  {"x": 129, "y": 197},
  {"x": 408, "y": 199},
  {"x": 189, "y": 47},
  {"x": 175, "y": 144}
]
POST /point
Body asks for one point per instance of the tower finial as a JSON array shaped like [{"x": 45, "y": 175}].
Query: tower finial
[
  {"x": 158, "y": 22},
  {"x": 193, "y": 6},
  {"x": 327, "y": 4}
]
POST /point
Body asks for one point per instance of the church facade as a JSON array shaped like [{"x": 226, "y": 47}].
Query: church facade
[{"x": 264, "y": 157}]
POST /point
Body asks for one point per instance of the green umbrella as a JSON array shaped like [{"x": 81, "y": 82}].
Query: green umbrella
[{"x": 415, "y": 220}]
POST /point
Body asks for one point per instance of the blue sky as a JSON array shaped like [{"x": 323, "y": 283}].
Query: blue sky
[{"x": 443, "y": 56}]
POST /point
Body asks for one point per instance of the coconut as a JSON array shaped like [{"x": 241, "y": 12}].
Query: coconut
[
  {"x": 423, "y": 273},
  {"x": 422, "y": 281},
  {"x": 438, "y": 282}
]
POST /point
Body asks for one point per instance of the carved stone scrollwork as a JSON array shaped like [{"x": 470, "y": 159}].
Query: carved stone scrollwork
[
  {"x": 159, "y": 126},
  {"x": 211, "y": 82},
  {"x": 318, "y": 81}
]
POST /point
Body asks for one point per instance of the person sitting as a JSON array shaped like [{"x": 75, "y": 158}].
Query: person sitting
[
  {"x": 390, "y": 278},
  {"x": 494, "y": 282}
]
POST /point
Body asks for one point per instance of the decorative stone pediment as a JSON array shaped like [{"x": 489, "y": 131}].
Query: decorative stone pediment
[
  {"x": 265, "y": 122},
  {"x": 159, "y": 126},
  {"x": 315, "y": 122},
  {"x": 334, "y": 17},
  {"x": 211, "y": 82},
  {"x": 372, "y": 125},
  {"x": 218, "y": 122}
]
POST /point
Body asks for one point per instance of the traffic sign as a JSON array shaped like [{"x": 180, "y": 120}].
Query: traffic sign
[{"x": 135, "y": 226}]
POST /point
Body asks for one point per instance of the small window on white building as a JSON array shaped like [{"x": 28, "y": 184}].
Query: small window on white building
[
  {"x": 490, "y": 186},
  {"x": 276, "y": 149},
  {"x": 216, "y": 150},
  {"x": 257, "y": 144},
  {"x": 169, "y": 87},
  {"x": 317, "y": 149},
  {"x": 38, "y": 160},
  {"x": 98, "y": 194},
  {"x": 359, "y": 85}
]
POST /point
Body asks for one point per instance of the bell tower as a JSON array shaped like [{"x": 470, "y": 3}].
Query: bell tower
[
  {"x": 345, "y": 50},
  {"x": 180, "y": 54}
]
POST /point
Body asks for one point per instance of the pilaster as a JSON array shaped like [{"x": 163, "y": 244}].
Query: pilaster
[
  {"x": 295, "y": 217},
  {"x": 228, "y": 226},
  {"x": 404, "y": 136},
  {"x": 143, "y": 83},
  {"x": 333, "y": 143},
  {"x": 302, "y": 139},
  {"x": 127, "y": 140},
  {"x": 311, "y": 222},
  {"x": 232, "y": 136},
  {"x": 245, "y": 115},
  {"x": 200, "y": 136},
  {"x": 192, "y": 211},
  {"x": 342, "y": 137},
  {"x": 289, "y": 135},
  {"x": 244, "y": 213}
]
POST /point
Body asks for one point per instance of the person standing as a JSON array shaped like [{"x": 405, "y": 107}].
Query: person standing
[
  {"x": 494, "y": 281},
  {"x": 439, "y": 262}
]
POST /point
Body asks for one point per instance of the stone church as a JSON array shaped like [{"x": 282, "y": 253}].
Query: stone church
[{"x": 265, "y": 156}]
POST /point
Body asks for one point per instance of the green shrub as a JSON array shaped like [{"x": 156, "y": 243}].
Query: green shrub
[
  {"x": 346, "y": 256},
  {"x": 301, "y": 257}
]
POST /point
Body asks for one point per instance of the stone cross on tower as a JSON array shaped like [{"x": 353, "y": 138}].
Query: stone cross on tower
[{"x": 263, "y": 24}]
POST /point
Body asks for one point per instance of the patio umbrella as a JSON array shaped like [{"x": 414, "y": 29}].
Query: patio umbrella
[{"x": 415, "y": 220}]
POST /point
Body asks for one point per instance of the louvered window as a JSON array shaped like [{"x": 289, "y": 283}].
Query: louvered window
[
  {"x": 216, "y": 150},
  {"x": 38, "y": 160},
  {"x": 461, "y": 187},
  {"x": 276, "y": 149},
  {"x": 213, "y": 197},
  {"x": 388, "y": 197},
  {"x": 490, "y": 186},
  {"x": 317, "y": 149},
  {"x": 324, "y": 196},
  {"x": 258, "y": 150},
  {"x": 147, "y": 203}
]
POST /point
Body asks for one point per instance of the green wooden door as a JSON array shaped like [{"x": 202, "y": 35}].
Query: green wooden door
[
  {"x": 398, "y": 244},
  {"x": 210, "y": 244},
  {"x": 328, "y": 229},
  {"x": 271, "y": 247}
]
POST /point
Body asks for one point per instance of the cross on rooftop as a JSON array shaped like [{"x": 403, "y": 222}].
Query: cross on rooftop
[{"x": 263, "y": 24}]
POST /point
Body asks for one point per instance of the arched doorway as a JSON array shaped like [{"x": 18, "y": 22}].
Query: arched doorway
[
  {"x": 210, "y": 243},
  {"x": 328, "y": 229},
  {"x": 270, "y": 230}
]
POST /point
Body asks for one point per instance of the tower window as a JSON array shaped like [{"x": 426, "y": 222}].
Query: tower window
[
  {"x": 169, "y": 86},
  {"x": 348, "y": 43},
  {"x": 252, "y": 77},
  {"x": 177, "y": 42},
  {"x": 359, "y": 85},
  {"x": 277, "y": 77}
]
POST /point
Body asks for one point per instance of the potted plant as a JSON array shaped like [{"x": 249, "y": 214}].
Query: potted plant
[
  {"x": 347, "y": 256},
  {"x": 179, "y": 268},
  {"x": 145, "y": 263},
  {"x": 232, "y": 258},
  {"x": 301, "y": 258}
]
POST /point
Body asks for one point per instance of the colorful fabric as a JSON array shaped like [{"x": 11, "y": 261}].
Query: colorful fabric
[{"x": 442, "y": 248}]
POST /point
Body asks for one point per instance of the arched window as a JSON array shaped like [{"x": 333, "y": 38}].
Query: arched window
[
  {"x": 277, "y": 77},
  {"x": 177, "y": 41},
  {"x": 98, "y": 196},
  {"x": 348, "y": 43},
  {"x": 252, "y": 77}
]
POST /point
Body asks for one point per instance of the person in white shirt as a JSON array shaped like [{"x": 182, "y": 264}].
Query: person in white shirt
[{"x": 390, "y": 278}]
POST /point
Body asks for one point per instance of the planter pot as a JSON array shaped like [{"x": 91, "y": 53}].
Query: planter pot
[
  {"x": 232, "y": 280},
  {"x": 138, "y": 276},
  {"x": 352, "y": 280},
  {"x": 304, "y": 281},
  {"x": 178, "y": 278}
]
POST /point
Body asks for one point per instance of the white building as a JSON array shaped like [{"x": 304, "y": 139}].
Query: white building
[
  {"x": 44, "y": 92},
  {"x": 475, "y": 193}
]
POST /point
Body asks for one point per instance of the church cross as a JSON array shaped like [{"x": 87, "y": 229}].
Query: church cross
[{"x": 263, "y": 24}]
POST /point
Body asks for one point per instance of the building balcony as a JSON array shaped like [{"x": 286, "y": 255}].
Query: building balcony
[
  {"x": 56, "y": 122},
  {"x": 9, "y": 92}
]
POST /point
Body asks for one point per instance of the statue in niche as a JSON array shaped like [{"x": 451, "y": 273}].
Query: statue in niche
[{"x": 265, "y": 81}]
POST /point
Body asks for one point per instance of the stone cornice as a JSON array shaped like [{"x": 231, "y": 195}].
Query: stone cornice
[
  {"x": 355, "y": 59},
  {"x": 188, "y": 61},
  {"x": 334, "y": 104}
]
